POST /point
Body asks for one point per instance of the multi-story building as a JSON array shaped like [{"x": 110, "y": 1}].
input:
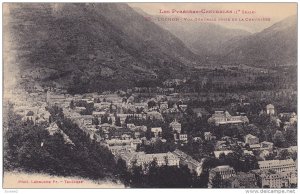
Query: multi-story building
[
  {"x": 243, "y": 180},
  {"x": 161, "y": 159},
  {"x": 55, "y": 99},
  {"x": 117, "y": 149},
  {"x": 224, "y": 171},
  {"x": 123, "y": 142},
  {"x": 224, "y": 118},
  {"x": 275, "y": 180},
  {"x": 156, "y": 131},
  {"x": 81, "y": 120},
  {"x": 87, "y": 119},
  {"x": 278, "y": 165},
  {"x": 208, "y": 136},
  {"x": 183, "y": 138},
  {"x": 270, "y": 180},
  {"x": 266, "y": 145},
  {"x": 175, "y": 126},
  {"x": 251, "y": 139},
  {"x": 120, "y": 133},
  {"x": 270, "y": 109},
  {"x": 187, "y": 160},
  {"x": 142, "y": 159},
  {"x": 163, "y": 106}
]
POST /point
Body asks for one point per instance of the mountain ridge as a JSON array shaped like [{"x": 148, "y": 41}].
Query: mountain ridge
[
  {"x": 276, "y": 44},
  {"x": 102, "y": 43},
  {"x": 203, "y": 38}
]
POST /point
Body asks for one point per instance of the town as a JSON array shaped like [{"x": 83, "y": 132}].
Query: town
[{"x": 242, "y": 143}]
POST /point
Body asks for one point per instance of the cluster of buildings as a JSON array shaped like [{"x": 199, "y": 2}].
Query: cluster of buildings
[
  {"x": 109, "y": 123},
  {"x": 30, "y": 106},
  {"x": 271, "y": 174}
]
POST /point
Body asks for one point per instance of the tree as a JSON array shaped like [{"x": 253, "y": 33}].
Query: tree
[
  {"x": 89, "y": 108},
  {"x": 284, "y": 154},
  {"x": 252, "y": 129},
  {"x": 56, "y": 113},
  {"x": 279, "y": 139},
  {"x": 248, "y": 162},
  {"x": 72, "y": 106},
  {"x": 270, "y": 156},
  {"x": 222, "y": 158},
  {"x": 217, "y": 181},
  {"x": 151, "y": 104},
  {"x": 291, "y": 135},
  {"x": 233, "y": 159},
  {"x": 95, "y": 121},
  {"x": 121, "y": 171},
  {"x": 136, "y": 176},
  {"x": 104, "y": 119},
  {"x": 109, "y": 120},
  {"x": 202, "y": 180},
  {"x": 118, "y": 122},
  {"x": 30, "y": 148}
]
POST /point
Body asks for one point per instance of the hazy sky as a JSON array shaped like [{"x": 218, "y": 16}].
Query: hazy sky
[{"x": 274, "y": 11}]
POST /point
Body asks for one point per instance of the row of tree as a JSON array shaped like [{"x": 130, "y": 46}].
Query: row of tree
[{"x": 31, "y": 148}]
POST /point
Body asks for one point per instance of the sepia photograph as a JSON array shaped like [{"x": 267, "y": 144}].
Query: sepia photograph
[{"x": 149, "y": 95}]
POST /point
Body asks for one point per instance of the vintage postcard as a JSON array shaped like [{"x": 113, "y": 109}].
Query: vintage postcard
[{"x": 150, "y": 95}]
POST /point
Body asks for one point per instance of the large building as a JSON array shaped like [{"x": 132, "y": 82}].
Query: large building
[
  {"x": 188, "y": 161},
  {"x": 224, "y": 171},
  {"x": 62, "y": 100},
  {"x": 266, "y": 145},
  {"x": 243, "y": 180},
  {"x": 209, "y": 136},
  {"x": 275, "y": 180},
  {"x": 224, "y": 118},
  {"x": 157, "y": 131},
  {"x": 251, "y": 139},
  {"x": 270, "y": 109},
  {"x": 123, "y": 142},
  {"x": 161, "y": 159},
  {"x": 175, "y": 126},
  {"x": 142, "y": 159},
  {"x": 278, "y": 165}
]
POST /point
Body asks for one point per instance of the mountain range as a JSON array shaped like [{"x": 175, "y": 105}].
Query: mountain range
[
  {"x": 203, "y": 38},
  {"x": 275, "y": 45},
  {"x": 111, "y": 45},
  {"x": 104, "y": 43}
]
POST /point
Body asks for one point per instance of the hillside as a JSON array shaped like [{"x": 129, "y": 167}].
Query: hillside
[
  {"x": 93, "y": 46},
  {"x": 276, "y": 45}
]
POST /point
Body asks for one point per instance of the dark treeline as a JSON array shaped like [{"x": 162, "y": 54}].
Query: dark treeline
[
  {"x": 82, "y": 83},
  {"x": 31, "y": 148}
]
